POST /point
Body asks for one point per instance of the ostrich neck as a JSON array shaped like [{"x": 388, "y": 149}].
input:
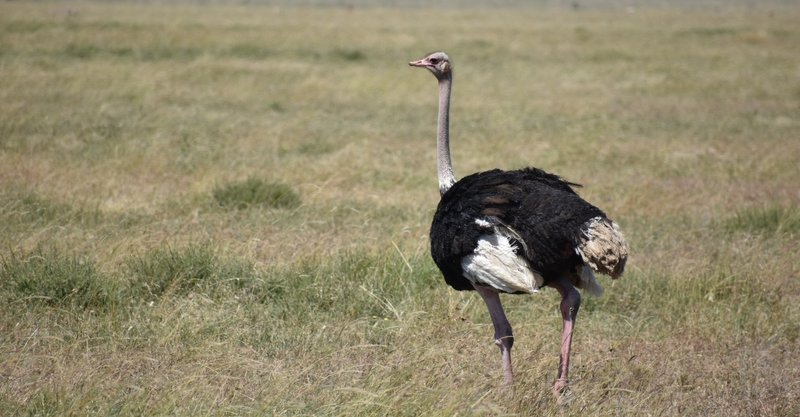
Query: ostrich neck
[{"x": 444, "y": 164}]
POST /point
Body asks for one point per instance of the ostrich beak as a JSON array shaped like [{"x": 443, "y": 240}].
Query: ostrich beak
[{"x": 418, "y": 63}]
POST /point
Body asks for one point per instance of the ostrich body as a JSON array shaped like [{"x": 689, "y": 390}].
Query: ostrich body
[{"x": 516, "y": 232}]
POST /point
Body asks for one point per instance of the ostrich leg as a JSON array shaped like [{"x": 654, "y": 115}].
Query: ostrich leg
[
  {"x": 502, "y": 329},
  {"x": 570, "y": 303}
]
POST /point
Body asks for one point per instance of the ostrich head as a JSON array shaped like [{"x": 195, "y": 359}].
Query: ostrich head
[{"x": 437, "y": 62}]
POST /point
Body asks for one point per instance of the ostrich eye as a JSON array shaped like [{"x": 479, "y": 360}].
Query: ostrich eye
[{"x": 434, "y": 61}]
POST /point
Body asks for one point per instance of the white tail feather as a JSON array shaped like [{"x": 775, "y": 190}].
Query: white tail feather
[{"x": 603, "y": 247}]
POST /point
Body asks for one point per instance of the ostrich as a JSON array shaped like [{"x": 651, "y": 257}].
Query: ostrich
[{"x": 515, "y": 232}]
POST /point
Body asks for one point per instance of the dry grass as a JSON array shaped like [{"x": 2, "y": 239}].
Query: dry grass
[{"x": 127, "y": 288}]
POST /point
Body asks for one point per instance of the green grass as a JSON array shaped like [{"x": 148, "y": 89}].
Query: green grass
[
  {"x": 51, "y": 278},
  {"x": 169, "y": 272},
  {"x": 223, "y": 209},
  {"x": 769, "y": 220},
  {"x": 254, "y": 192}
]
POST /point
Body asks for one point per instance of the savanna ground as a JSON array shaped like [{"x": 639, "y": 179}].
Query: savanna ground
[{"x": 223, "y": 210}]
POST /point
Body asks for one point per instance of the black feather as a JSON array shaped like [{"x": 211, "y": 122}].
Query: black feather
[{"x": 543, "y": 209}]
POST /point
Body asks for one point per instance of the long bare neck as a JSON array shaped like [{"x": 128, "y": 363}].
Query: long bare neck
[{"x": 444, "y": 164}]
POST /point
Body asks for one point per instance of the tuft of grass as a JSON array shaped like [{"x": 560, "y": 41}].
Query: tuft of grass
[
  {"x": 255, "y": 192},
  {"x": 23, "y": 210},
  {"x": 82, "y": 51},
  {"x": 29, "y": 207},
  {"x": 315, "y": 147},
  {"x": 708, "y": 32},
  {"x": 46, "y": 402},
  {"x": 277, "y": 107},
  {"x": 249, "y": 51},
  {"x": 349, "y": 54},
  {"x": 770, "y": 220},
  {"x": 50, "y": 277},
  {"x": 24, "y": 26},
  {"x": 169, "y": 52},
  {"x": 86, "y": 51},
  {"x": 166, "y": 271},
  {"x": 352, "y": 284},
  {"x": 383, "y": 288}
]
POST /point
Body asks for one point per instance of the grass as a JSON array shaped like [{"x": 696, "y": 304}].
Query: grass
[
  {"x": 222, "y": 209},
  {"x": 769, "y": 220},
  {"x": 254, "y": 192},
  {"x": 52, "y": 278}
]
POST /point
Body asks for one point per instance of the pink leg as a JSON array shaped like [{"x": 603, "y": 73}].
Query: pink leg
[
  {"x": 570, "y": 303},
  {"x": 502, "y": 329}
]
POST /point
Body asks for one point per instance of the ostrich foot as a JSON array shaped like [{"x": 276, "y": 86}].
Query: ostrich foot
[
  {"x": 562, "y": 393},
  {"x": 559, "y": 387}
]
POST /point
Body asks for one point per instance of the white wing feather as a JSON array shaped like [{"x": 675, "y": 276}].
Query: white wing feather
[{"x": 495, "y": 263}]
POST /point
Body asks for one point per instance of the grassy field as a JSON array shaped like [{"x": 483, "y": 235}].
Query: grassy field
[{"x": 223, "y": 210}]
